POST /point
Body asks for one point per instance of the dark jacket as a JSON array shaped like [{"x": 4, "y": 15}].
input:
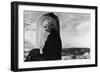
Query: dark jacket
[{"x": 52, "y": 48}]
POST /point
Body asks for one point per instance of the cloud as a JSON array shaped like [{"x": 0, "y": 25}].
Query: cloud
[{"x": 78, "y": 36}]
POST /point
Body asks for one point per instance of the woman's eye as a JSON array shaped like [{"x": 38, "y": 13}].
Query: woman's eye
[{"x": 45, "y": 26}]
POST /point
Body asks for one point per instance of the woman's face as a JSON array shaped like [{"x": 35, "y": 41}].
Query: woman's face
[{"x": 48, "y": 25}]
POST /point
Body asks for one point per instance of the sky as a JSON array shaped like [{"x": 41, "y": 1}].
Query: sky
[{"x": 74, "y": 28}]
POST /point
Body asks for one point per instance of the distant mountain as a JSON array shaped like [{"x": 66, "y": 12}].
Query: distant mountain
[{"x": 74, "y": 51}]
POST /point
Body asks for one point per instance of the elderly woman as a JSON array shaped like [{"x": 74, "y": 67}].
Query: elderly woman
[{"x": 52, "y": 45}]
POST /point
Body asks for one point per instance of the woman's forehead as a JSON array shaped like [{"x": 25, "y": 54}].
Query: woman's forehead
[
  {"x": 46, "y": 22},
  {"x": 48, "y": 19}
]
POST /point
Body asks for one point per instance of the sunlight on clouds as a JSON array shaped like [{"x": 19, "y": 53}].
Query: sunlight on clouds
[{"x": 77, "y": 38}]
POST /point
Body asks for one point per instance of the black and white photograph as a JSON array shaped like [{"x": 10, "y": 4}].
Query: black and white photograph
[
  {"x": 56, "y": 36},
  {"x": 53, "y": 36}
]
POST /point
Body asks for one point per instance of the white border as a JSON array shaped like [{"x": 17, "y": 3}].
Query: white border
[{"x": 22, "y": 64}]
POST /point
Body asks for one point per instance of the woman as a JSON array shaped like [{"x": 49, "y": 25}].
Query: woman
[{"x": 52, "y": 45}]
